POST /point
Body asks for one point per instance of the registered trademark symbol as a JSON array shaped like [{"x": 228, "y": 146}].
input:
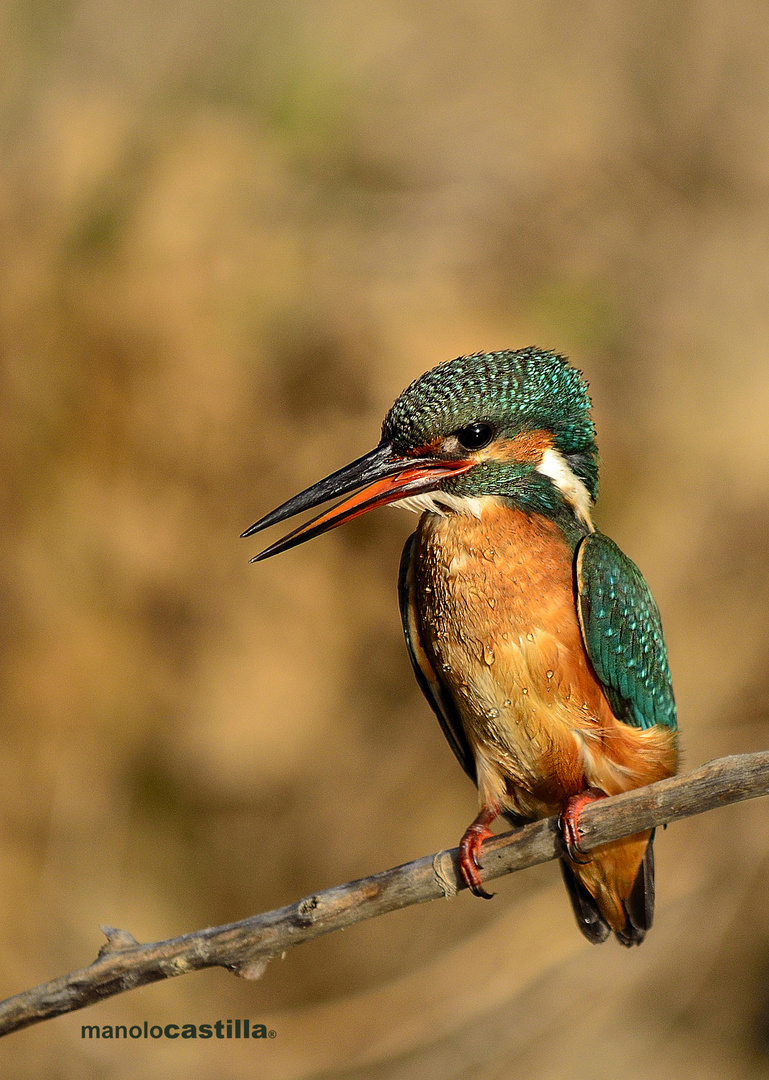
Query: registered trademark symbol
[{"x": 272, "y": 1034}]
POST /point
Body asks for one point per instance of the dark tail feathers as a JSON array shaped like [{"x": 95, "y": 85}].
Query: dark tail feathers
[{"x": 639, "y": 906}]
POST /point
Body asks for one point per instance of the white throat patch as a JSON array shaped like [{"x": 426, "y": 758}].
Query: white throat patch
[
  {"x": 556, "y": 467},
  {"x": 438, "y": 502}
]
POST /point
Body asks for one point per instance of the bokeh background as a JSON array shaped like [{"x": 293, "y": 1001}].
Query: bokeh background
[{"x": 231, "y": 234}]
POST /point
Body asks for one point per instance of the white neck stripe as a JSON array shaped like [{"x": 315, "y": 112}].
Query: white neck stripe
[{"x": 555, "y": 466}]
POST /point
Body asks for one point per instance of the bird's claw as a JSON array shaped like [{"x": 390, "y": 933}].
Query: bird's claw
[
  {"x": 571, "y": 839},
  {"x": 470, "y": 853},
  {"x": 568, "y": 822}
]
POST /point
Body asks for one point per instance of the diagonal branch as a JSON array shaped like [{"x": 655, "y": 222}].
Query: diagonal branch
[{"x": 246, "y": 947}]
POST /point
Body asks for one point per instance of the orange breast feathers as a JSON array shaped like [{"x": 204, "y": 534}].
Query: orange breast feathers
[{"x": 495, "y": 597}]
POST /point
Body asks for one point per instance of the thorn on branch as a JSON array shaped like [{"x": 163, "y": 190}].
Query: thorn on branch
[{"x": 117, "y": 941}]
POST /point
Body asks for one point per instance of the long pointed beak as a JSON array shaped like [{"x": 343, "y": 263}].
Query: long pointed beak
[{"x": 383, "y": 476}]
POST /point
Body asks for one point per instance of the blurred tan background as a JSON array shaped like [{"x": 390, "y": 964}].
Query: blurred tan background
[{"x": 231, "y": 234}]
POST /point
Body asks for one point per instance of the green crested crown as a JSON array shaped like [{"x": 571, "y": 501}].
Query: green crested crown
[{"x": 527, "y": 390}]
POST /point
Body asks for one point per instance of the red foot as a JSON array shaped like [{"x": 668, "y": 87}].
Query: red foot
[
  {"x": 470, "y": 850},
  {"x": 569, "y": 823}
]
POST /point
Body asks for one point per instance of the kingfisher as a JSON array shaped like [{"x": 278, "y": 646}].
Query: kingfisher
[{"x": 535, "y": 640}]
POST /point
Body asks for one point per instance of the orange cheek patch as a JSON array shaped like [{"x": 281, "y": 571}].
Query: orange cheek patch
[
  {"x": 431, "y": 449},
  {"x": 528, "y": 447}
]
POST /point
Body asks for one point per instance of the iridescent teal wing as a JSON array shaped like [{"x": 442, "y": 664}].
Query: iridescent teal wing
[
  {"x": 622, "y": 632},
  {"x": 438, "y": 695}
]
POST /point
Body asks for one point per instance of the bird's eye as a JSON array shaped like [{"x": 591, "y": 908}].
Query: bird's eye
[{"x": 475, "y": 436}]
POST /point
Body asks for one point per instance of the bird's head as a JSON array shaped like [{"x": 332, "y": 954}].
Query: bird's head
[{"x": 514, "y": 426}]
